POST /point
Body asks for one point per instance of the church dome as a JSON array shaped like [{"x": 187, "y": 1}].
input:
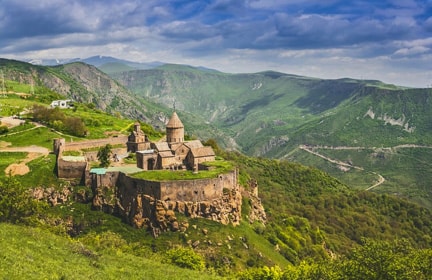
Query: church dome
[{"x": 174, "y": 122}]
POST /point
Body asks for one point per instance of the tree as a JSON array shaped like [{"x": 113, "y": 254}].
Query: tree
[
  {"x": 75, "y": 126},
  {"x": 16, "y": 204},
  {"x": 104, "y": 155}
]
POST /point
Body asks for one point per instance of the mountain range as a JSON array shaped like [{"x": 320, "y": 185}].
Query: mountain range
[
  {"x": 350, "y": 128},
  {"x": 373, "y": 137}
]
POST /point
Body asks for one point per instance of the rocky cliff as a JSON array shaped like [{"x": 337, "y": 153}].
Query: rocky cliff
[{"x": 145, "y": 211}]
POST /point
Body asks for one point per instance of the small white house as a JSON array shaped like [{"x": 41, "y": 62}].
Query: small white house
[{"x": 62, "y": 104}]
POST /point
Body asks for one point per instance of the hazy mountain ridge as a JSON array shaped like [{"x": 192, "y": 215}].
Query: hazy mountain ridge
[
  {"x": 98, "y": 60},
  {"x": 252, "y": 108}
]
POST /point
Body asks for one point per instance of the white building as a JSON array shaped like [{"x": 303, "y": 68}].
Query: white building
[{"x": 62, "y": 104}]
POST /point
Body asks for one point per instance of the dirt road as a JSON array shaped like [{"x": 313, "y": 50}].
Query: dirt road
[{"x": 311, "y": 150}]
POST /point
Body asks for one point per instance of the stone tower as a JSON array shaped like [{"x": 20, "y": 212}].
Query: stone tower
[{"x": 174, "y": 129}]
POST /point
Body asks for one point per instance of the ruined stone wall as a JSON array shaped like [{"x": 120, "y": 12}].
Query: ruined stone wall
[
  {"x": 92, "y": 156},
  {"x": 71, "y": 170},
  {"x": 89, "y": 144}
]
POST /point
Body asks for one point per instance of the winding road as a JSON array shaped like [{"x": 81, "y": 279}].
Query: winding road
[{"x": 310, "y": 149}]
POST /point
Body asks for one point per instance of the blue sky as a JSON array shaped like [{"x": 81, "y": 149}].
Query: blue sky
[{"x": 389, "y": 40}]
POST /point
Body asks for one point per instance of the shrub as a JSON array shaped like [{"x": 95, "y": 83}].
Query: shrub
[
  {"x": 4, "y": 129},
  {"x": 186, "y": 258}
]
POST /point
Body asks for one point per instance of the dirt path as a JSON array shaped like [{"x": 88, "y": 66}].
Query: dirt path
[
  {"x": 380, "y": 181},
  {"x": 21, "y": 168},
  {"x": 335, "y": 161}
]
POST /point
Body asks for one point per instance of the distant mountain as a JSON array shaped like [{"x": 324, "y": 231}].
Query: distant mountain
[
  {"x": 97, "y": 61},
  {"x": 87, "y": 84},
  {"x": 260, "y": 111},
  {"x": 353, "y": 129}
]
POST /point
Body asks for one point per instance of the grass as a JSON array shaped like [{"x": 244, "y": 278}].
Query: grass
[
  {"x": 99, "y": 123},
  {"x": 40, "y": 136},
  {"x": 33, "y": 253},
  {"x": 218, "y": 167},
  {"x": 7, "y": 159},
  {"x": 41, "y": 173},
  {"x": 13, "y": 105}
]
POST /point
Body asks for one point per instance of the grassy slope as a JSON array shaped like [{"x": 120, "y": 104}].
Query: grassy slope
[
  {"x": 33, "y": 253},
  {"x": 305, "y": 206}
]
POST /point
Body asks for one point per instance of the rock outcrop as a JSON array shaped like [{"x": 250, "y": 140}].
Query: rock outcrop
[
  {"x": 257, "y": 212},
  {"x": 51, "y": 195},
  {"x": 145, "y": 211}
]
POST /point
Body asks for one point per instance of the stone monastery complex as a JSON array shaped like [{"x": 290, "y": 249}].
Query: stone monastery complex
[{"x": 152, "y": 203}]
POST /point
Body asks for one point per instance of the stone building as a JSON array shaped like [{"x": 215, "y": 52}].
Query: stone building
[
  {"x": 174, "y": 153},
  {"x": 137, "y": 140},
  {"x": 146, "y": 203}
]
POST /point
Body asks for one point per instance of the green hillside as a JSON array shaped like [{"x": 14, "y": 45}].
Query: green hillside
[
  {"x": 82, "y": 83},
  {"x": 267, "y": 114},
  {"x": 314, "y": 221},
  {"x": 272, "y": 114},
  {"x": 34, "y": 253}
]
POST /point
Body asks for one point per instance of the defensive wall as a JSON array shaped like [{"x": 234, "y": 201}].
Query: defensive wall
[
  {"x": 90, "y": 144},
  {"x": 147, "y": 203},
  {"x": 176, "y": 190},
  {"x": 77, "y": 167}
]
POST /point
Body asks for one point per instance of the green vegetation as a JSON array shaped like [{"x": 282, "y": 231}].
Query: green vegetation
[
  {"x": 104, "y": 155},
  {"x": 187, "y": 258},
  {"x": 306, "y": 207},
  {"x": 3, "y": 129},
  {"x": 372, "y": 261},
  {"x": 40, "y": 136},
  {"x": 56, "y": 119},
  {"x": 7, "y": 159},
  {"x": 406, "y": 170},
  {"x": 34, "y": 253},
  {"x": 318, "y": 227},
  {"x": 215, "y": 168},
  {"x": 15, "y": 203}
]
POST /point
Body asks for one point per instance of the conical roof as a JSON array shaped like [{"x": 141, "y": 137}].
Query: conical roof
[{"x": 174, "y": 122}]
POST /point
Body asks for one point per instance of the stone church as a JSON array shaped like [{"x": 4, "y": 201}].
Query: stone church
[{"x": 174, "y": 153}]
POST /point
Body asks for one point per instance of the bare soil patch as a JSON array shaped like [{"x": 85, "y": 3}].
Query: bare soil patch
[{"x": 21, "y": 168}]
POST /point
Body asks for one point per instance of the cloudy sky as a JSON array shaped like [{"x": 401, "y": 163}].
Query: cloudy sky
[{"x": 389, "y": 40}]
